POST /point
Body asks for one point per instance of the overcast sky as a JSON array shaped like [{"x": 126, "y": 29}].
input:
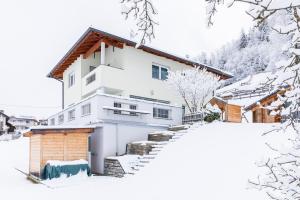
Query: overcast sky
[{"x": 36, "y": 34}]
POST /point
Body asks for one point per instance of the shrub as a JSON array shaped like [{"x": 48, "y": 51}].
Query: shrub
[{"x": 212, "y": 117}]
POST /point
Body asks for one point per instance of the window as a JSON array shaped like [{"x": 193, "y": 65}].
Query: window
[
  {"x": 159, "y": 72},
  {"x": 163, "y": 73},
  {"x": 86, "y": 109},
  {"x": 90, "y": 79},
  {"x": 92, "y": 68},
  {"x": 52, "y": 122},
  {"x": 155, "y": 72},
  {"x": 71, "y": 79},
  {"x": 61, "y": 119},
  {"x": 161, "y": 113},
  {"x": 117, "y": 105},
  {"x": 132, "y": 107},
  {"x": 71, "y": 115}
]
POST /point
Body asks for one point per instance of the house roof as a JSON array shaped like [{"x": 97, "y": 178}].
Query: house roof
[
  {"x": 92, "y": 36},
  {"x": 252, "y": 89},
  {"x": 24, "y": 118},
  {"x": 275, "y": 92},
  {"x": 59, "y": 130}
]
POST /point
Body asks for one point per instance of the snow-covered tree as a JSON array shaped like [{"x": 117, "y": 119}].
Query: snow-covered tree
[
  {"x": 243, "y": 40},
  {"x": 254, "y": 51},
  {"x": 195, "y": 86}
]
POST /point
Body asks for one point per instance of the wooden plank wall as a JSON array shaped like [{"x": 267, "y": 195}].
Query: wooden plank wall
[
  {"x": 233, "y": 113},
  {"x": 35, "y": 155},
  {"x": 64, "y": 147}
]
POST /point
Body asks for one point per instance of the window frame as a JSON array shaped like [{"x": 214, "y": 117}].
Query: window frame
[
  {"x": 89, "y": 109},
  {"x": 69, "y": 115},
  {"x": 158, "y": 115},
  {"x": 71, "y": 79},
  {"x": 160, "y": 67},
  {"x": 117, "y": 112},
  {"x": 52, "y": 122},
  {"x": 90, "y": 79},
  {"x": 133, "y": 107},
  {"x": 61, "y": 118}
]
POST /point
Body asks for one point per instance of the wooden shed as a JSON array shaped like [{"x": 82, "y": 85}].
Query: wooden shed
[
  {"x": 61, "y": 144},
  {"x": 230, "y": 112},
  {"x": 262, "y": 115}
]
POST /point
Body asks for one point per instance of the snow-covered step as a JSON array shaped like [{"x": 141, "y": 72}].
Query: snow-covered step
[
  {"x": 176, "y": 137},
  {"x": 148, "y": 157},
  {"x": 153, "y": 153},
  {"x": 144, "y": 161},
  {"x": 155, "y": 150}
]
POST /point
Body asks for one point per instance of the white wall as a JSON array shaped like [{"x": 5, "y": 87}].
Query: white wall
[
  {"x": 72, "y": 94},
  {"x": 128, "y": 70},
  {"x": 111, "y": 139}
]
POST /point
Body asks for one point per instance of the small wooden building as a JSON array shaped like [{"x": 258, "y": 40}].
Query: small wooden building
[
  {"x": 259, "y": 112},
  {"x": 230, "y": 112},
  {"x": 62, "y": 144}
]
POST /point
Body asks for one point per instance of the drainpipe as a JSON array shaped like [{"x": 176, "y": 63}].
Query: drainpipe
[
  {"x": 62, "y": 90},
  {"x": 62, "y": 94}
]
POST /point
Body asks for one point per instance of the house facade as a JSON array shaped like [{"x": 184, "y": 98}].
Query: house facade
[
  {"x": 119, "y": 89},
  {"x": 3, "y": 123},
  {"x": 22, "y": 122}
]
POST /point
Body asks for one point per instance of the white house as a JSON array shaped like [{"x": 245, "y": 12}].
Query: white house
[
  {"x": 120, "y": 89},
  {"x": 22, "y": 122},
  {"x": 3, "y": 123}
]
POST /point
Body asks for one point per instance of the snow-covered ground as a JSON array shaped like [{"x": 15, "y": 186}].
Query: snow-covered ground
[{"x": 210, "y": 162}]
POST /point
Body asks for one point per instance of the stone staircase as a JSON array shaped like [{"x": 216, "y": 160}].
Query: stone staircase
[{"x": 141, "y": 153}]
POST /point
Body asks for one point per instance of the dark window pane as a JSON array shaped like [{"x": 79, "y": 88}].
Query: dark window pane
[
  {"x": 155, "y": 72},
  {"x": 164, "y": 73},
  {"x": 117, "y": 105}
]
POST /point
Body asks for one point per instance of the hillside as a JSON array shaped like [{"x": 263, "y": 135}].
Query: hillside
[{"x": 212, "y": 161}]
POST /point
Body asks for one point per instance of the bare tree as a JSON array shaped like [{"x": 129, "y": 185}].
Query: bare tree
[{"x": 143, "y": 12}]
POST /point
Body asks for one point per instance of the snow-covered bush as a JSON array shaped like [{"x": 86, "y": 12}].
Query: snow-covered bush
[
  {"x": 195, "y": 86},
  {"x": 212, "y": 117}
]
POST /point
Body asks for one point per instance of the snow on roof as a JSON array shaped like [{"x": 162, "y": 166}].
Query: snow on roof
[
  {"x": 61, "y": 127},
  {"x": 63, "y": 163},
  {"x": 253, "y": 88},
  {"x": 251, "y": 82}
]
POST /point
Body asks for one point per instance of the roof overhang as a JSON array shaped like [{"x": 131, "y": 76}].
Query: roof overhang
[
  {"x": 89, "y": 42},
  {"x": 58, "y": 130}
]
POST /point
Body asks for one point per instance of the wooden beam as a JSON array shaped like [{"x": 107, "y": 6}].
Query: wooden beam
[
  {"x": 113, "y": 43},
  {"x": 92, "y": 49}
]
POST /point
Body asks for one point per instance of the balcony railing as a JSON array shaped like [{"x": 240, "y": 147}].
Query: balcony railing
[{"x": 194, "y": 117}]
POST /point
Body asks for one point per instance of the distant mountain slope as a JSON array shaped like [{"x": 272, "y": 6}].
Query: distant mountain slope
[{"x": 255, "y": 51}]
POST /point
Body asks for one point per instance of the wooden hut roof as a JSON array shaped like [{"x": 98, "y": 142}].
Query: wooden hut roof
[{"x": 64, "y": 130}]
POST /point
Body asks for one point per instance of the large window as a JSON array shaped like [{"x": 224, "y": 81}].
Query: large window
[
  {"x": 71, "y": 79},
  {"x": 86, "y": 109},
  {"x": 161, "y": 113},
  {"x": 61, "y": 119},
  {"x": 159, "y": 72},
  {"x": 71, "y": 115}
]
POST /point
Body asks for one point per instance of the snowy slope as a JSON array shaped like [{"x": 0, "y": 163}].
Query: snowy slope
[{"x": 210, "y": 162}]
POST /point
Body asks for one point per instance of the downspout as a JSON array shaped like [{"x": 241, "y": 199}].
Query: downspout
[
  {"x": 62, "y": 90},
  {"x": 62, "y": 93}
]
